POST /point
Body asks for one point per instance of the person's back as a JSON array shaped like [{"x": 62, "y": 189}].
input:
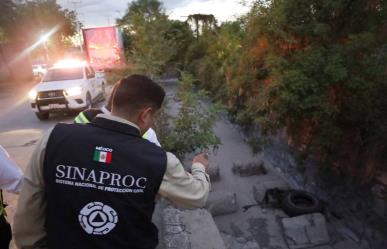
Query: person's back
[
  {"x": 88, "y": 115},
  {"x": 109, "y": 189},
  {"x": 94, "y": 185}
]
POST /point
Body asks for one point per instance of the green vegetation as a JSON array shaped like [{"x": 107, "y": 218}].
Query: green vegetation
[
  {"x": 192, "y": 129},
  {"x": 313, "y": 69},
  {"x": 146, "y": 24},
  {"x": 114, "y": 75},
  {"x": 258, "y": 144},
  {"x": 7, "y": 17},
  {"x": 27, "y": 21}
]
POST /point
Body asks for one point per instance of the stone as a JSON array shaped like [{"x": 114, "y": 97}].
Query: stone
[
  {"x": 175, "y": 234},
  {"x": 346, "y": 244},
  {"x": 221, "y": 203},
  {"x": 317, "y": 235},
  {"x": 378, "y": 191},
  {"x": 214, "y": 172},
  {"x": 259, "y": 190},
  {"x": 232, "y": 242},
  {"x": 305, "y": 231},
  {"x": 349, "y": 234},
  {"x": 258, "y": 193},
  {"x": 202, "y": 230},
  {"x": 249, "y": 169}
]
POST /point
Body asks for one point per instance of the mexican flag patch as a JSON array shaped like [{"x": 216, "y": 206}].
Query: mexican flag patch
[{"x": 103, "y": 155}]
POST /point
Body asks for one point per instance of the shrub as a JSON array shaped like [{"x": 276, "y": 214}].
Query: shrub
[{"x": 192, "y": 129}]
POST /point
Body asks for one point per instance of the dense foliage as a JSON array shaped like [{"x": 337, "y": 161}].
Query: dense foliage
[
  {"x": 314, "y": 68},
  {"x": 26, "y": 22},
  {"x": 191, "y": 130},
  {"x": 7, "y": 17},
  {"x": 145, "y": 25}
]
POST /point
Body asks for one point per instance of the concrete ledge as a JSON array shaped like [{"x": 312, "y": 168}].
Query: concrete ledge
[
  {"x": 249, "y": 169},
  {"x": 214, "y": 172},
  {"x": 175, "y": 233},
  {"x": 259, "y": 189},
  {"x": 190, "y": 229},
  {"x": 232, "y": 242},
  {"x": 305, "y": 231},
  {"x": 203, "y": 232},
  {"x": 221, "y": 203}
]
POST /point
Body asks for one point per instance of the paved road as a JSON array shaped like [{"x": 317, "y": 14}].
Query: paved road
[{"x": 20, "y": 129}]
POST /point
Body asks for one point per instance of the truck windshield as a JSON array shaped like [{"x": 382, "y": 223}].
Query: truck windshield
[{"x": 57, "y": 74}]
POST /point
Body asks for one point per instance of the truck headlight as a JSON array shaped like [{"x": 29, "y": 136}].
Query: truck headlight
[
  {"x": 32, "y": 94},
  {"x": 74, "y": 91}
]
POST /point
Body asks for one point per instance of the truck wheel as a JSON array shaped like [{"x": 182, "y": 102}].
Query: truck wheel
[{"x": 42, "y": 115}]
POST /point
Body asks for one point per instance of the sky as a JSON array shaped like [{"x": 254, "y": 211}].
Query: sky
[{"x": 94, "y": 13}]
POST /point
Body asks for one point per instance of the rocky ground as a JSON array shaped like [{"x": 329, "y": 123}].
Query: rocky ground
[{"x": 238, "y": 182}]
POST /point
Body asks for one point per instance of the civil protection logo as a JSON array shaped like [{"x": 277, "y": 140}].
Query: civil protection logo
[{"x": 97, "y": 218}]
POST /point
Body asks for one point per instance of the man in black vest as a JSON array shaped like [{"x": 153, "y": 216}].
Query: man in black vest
[
  {"x": 88, "y": 115},
  {"x": 94, "y": 186}
]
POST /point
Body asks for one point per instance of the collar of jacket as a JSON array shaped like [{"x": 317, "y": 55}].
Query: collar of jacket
[{"x": 109, "y": 122}]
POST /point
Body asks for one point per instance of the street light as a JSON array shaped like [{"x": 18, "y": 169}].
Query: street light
[{"x": 43, "y": 38}]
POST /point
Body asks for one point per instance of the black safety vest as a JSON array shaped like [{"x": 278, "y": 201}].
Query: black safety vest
[{"x": 101, "y": 183}]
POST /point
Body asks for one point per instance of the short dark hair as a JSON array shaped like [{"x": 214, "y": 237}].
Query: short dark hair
[{"x": 135, "y": 92}]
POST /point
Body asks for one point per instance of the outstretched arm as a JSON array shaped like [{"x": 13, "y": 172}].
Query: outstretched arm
[{"x": 182, "y": 188}]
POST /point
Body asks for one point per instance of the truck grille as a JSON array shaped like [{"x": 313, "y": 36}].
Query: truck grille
[
  {"x": 43, "y": 102},
  {"x": 50, "y": 94}
]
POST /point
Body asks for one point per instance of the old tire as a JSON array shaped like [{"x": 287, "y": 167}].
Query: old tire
[
  {"x": 42, "y": 115},
  {"x": 301, "y": 202}
]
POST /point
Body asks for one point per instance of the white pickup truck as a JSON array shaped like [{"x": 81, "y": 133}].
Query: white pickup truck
[{"x": 68, "y": 87}]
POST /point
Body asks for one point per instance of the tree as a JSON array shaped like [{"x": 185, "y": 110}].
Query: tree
[
  {"x": 147, "y": 25},
  {"x": 202, "y": 22},
  {"x": 7, "y": 17},
  {"x": 327, "y": 80},
  {"x": 180, "y": 35},
  {"x": 186, "y": 133},
  {"x": 315, "y": 69},
  {"x": 39, "y": 17},
  {"x": 213, "y": 57}
]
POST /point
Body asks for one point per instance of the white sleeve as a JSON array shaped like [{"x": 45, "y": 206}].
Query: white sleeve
[
  {"x": 152, "y": 137},
  {"x": 10, "y": 174}
]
